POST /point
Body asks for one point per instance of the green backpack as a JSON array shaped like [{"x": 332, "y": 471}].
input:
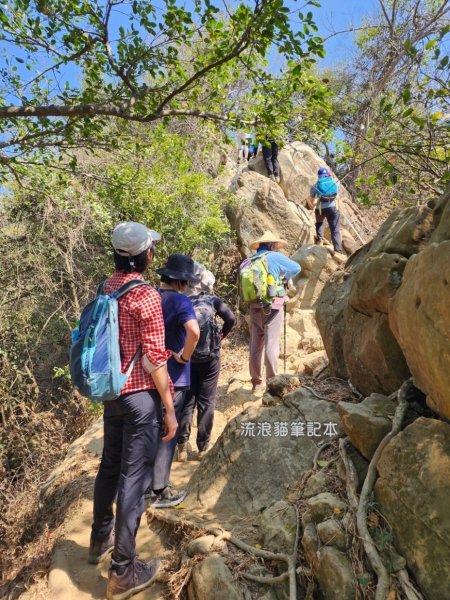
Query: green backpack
[{"x": 256, "y": 284}]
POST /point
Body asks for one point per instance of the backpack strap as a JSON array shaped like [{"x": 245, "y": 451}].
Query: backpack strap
[
  {"x": 124, "y": 289},
  {"x": 127, "y": 287}
]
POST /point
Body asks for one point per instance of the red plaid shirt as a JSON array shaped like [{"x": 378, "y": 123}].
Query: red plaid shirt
[{"x": 140, "y": 324}]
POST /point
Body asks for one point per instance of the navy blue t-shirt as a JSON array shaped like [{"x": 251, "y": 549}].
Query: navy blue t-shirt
[{"x": 177, "y": 310}]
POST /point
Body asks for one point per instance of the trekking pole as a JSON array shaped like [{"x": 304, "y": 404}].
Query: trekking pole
[{"x": 284, "y": 351}]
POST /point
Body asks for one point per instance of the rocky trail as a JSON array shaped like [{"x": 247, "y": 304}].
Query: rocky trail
[{"x": 333, "y": 483}]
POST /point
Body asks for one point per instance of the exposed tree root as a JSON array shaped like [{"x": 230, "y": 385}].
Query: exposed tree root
[
  {"x": 361, "y": 513},
  {"x": 408, "y": 589},
  {"x": 318, "y": 396},
  {"x": 290, "y": 559},
  {"x": 320, "y": 449},
  {"x": 351, "y": 478},
  {"x": 361, "y": 505}
]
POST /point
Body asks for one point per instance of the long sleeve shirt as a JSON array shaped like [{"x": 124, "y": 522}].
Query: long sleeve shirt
[
  {"x": 280, "y": 266},
  {"x": 226, "y": 314}
]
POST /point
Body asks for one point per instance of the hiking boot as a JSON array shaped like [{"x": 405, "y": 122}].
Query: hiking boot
[
  {"x": 277, "y": 178},
  {"x": 169, "y": 497},
  {"x": 149, "y": 494},
  {"x": 100, "y": 549},
  {"x": 319, "y": 243},
  {"x": 182, "y": 452},
  {"x": 203, "y": 451},
  {"x": 340, "y": 257},
  {"x": 137, "y": 576},
  {"x": 258, "y": 387},
  {"x": 272, "y": 177}
]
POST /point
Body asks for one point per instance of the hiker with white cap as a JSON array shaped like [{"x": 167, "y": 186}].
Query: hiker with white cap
[
  {"x": 132, "y": 422},
  {"x": 266, "y": 320}
]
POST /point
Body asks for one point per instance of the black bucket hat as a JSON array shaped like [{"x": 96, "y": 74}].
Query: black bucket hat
[{"x": 179, "y": 266}]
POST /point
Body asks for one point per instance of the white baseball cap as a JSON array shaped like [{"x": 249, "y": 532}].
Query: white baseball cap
[{"x": 130, "y": 238}]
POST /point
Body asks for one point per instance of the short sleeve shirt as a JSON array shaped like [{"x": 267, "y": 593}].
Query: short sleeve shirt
[{"x": 177, "y": 310}]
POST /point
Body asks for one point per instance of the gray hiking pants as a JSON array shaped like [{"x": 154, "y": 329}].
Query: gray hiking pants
[
  {"x": 264, "y": 337},
  {"x": 132, "y": 429}
]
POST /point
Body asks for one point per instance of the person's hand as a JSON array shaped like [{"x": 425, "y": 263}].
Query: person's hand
[
  {"x": 177, "y": 357},
  {"x": 170, "y": 426}
]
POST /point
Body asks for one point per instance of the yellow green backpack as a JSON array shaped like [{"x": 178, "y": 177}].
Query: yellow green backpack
[{"x": 256, "y": 284}]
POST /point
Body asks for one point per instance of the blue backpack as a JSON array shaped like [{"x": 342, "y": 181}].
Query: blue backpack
[
  {"x": 95, "y": 366},
  {"x": 327, "y": 188}
]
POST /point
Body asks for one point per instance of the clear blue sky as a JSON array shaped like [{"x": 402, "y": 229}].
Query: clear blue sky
[{"x": 338, "y": 15}]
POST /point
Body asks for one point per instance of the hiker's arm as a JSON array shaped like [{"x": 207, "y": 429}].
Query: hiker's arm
[
  {"x": 311, "y": 201},
  {"x": 154, "y": 354},
  {"x": 162, "y": 382},
  {"x": 226, "y": 314},
  {"x": 289, "y": 268},
  {"x": 192, "y": 337}
]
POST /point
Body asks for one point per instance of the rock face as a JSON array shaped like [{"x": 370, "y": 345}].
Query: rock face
[
  {"x": 261, "y": 205},
  {"x": 420, "y": 319},
  {"x": 386, "y": 316},
  {"x": 234, "y": 475},
  {"x": 299, "y": 165},
  {"x": 368, "y": 422},
  {"x": 413, "y": 492}
]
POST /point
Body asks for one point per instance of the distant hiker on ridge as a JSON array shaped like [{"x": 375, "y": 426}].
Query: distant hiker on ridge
[{"x": 270, "y": 156}]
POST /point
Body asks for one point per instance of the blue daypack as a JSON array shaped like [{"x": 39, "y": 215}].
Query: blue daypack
[
  {"x": 95, "y": 366},
  {"x": 327, "y": 188}
]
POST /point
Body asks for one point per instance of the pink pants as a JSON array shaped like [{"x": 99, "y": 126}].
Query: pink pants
[{"x": 264, "y": 336}]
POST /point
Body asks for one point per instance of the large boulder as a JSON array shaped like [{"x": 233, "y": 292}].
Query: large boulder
[
  {"x": 376, "y": 282},
  {"x": 280, "y": 439},
  {"x": 413, "y": 492},
  {"x": 330, "y": 312},
  {"x": 441, "y": 219},
  {"x": 368, "y": 422},
  {"x": 260, "y": 205},
  {"x": 354, "y": 309},
  {"x": 419, "y": 316},
  {"x": 373, "y": 357},
  {"x": 404, "y": 232}
]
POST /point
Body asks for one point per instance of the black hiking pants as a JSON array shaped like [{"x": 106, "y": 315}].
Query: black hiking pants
[
  {"x": 270, "y": 156},
  {"x": 132, "y": 429},
  {"x": 166, "y": 450},
  {"x": 332, "y": 215},
  {"x": 204, "y": 379}
]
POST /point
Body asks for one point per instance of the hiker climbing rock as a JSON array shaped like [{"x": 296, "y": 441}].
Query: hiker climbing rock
[
  {"x": 205, "y": 362},
  {"x": 182, "y": 334},
  {"x": 132, "y": 421},
  {"x": 270, "y": 155},
  {"x": 326, "y": 190},
  {"x": 261, "y": 284}
]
